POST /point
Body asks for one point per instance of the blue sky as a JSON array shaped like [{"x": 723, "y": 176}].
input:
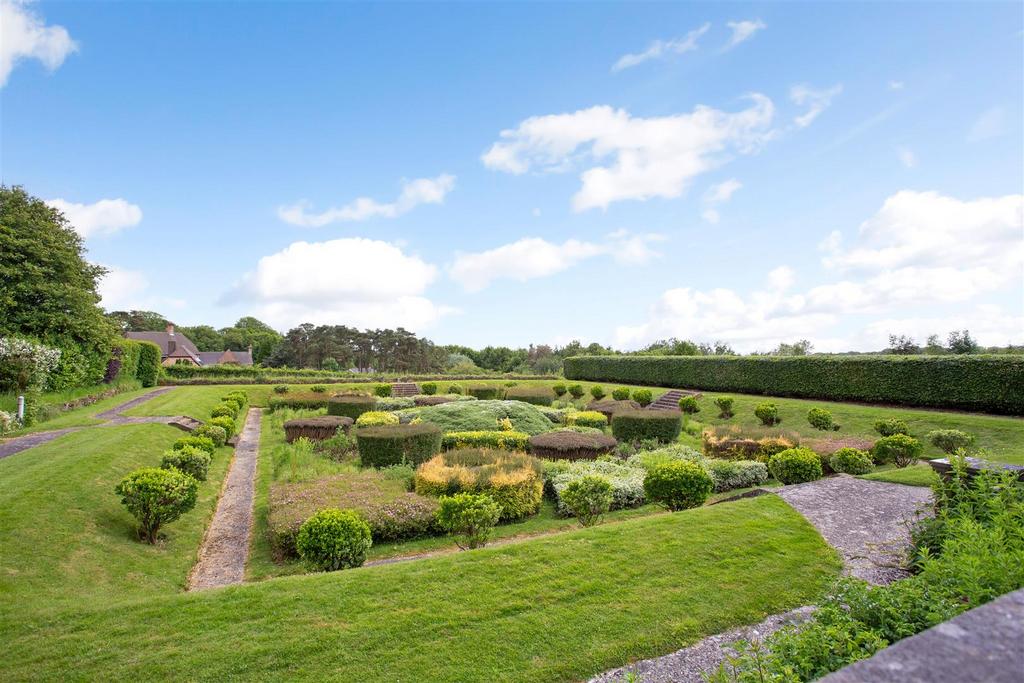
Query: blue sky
[{"x": 508, "y": 174}]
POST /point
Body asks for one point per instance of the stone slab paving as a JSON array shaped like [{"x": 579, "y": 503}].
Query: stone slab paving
[{"x": 225, "y": 549}]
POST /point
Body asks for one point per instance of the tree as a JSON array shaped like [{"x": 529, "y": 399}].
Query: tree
[
  {"x": 903, "y": 345},
  {"x": 962, "y": 342},
  {"x": 139, "y": 321},
  {"x": 204, "y": 337},
  {"x": 800, "y": 348},
  {"x": 934, "y": 345},
  {"x": 249, "y": 331}
]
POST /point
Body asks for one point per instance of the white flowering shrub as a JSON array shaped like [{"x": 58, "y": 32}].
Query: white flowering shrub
[
  {"x": 25, "y": 364},
  {"x": 8, "y": 421},
  {"x": 627, "y": 481}
]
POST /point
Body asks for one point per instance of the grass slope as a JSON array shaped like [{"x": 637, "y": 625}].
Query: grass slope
[
  {"x": 916, "y": 475},
  {"x": 558, "y": 608},
  {"x": 79, "y": 417},
  {"x": 197, "y": 401}
]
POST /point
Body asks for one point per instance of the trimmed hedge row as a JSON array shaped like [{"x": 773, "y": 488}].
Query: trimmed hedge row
[
  {"x": 985, "y": 383},
  {"x": 397, "y": 444}
]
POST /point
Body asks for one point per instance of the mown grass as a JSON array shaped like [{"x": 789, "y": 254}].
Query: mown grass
[
  {"x": 198, "y": 401},
  {"x": 53, "y": 418},
  {"x": 551, "y": 609},
  {"x": 916, "y": 475}
]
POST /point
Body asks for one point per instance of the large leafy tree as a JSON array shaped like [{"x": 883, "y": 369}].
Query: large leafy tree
[
  {"x": 139, "y": 321},
  {"x": 250, "y": 331},
  {"x": 204, "y": 337}
]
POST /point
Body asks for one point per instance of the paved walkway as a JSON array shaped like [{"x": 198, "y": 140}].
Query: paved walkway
[{"x": 225, "y": 549}]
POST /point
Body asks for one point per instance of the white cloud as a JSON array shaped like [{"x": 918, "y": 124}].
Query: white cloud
[
  {"x": 126, "y": 290},
  {"x": 816, "y": 101},
  {"x": 414, "y": 193},
  {"x": 662, "y": 48},
  {"x": 906, "y": 156},
  {"x": 991, "y": 124},
  {"x": 711, "y": 216},
  {"x": 104, "y": 217},
  {"x": 718, "y": 194},
  {"x": 533, "y": 257},
  {"x": 896, "y": 85},
  {"x": 352, "y": 281},
  {"x": 743, "y": 30},
  {"x": 24, "y": 35},
  {"x": 646, "y": 157}
]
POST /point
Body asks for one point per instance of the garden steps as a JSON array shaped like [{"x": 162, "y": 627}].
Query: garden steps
[
  {"x": 404, "y": 389},
  {"x": 669, "y": 400}
]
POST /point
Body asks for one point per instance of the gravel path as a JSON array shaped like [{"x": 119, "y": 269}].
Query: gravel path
[
  {"x": 23, "y": 443},
  {"x": 225, "y": 549},
  {"x": 116, "y": 411}
]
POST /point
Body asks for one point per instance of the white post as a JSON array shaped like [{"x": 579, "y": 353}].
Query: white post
[{"x": 21, "y": 409}]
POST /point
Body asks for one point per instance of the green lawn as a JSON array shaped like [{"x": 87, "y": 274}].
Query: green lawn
[
  {"x": 916, "y": 475},
  {"x": 198, "y": 401},
  {"x": 78, "y": 417},
  {"x": 551, "y": 609}
]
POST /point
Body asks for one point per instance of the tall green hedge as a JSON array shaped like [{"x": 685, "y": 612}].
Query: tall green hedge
[
  {"x": 149, "y": 363},
  {"x": 985, "y": 383}
]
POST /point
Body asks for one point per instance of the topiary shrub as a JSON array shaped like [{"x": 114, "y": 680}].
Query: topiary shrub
[
  {"x": 538, "y": 396},
  {"x": 678, "y": 485},
  {"x": 588, "y": 498},
  {"x": 333, "y": 539},
  {"x": 397, "y": 444},
  {"x": 298, "y": 402},
  {"x": 507, "y": 441},
  {"x": 318, "y": 428},
  {"x": 643, "y": 397},
  {"x": 319, "y": 388},
  {"x": 225, "y": 423},
  {"x": 373, "y": 418},
  {"x": 597, "y": 391},
  {"x": 620, "y": 393},
  {"x": 637, "y": 425},
  {"x": 899, "y": 449},
  {"x": 736, "y": 474},
  {"x": 891, "y": 426},
  {"x": 571, "y": 445},
  {"x": 392, "y": 403},
  {"x": 473, "y": 416},
  {"x": 157, "y": 497},
  {"x": 559, "y": 390},
  {"x": 724, "y": 404},
  {"x": 576, "y": 390},
  {"x": 851, "y": 461},
  {"x": 428, "y": 388},
  {"x": 454, "y": 389},
  {"x": 216, "y": 434},
  {"x": 469, "y": 517},
  {"x": 819, "y": 418},
  {"x": 767, "y": 413},
  {"x": 350, "y": 405},
  {"x": 149, "y": 363},
  {"x": 281, "y": 389},
  {"x": 587, "y": 418},
  {"x": 689, "y": 405},
  {"x": 483, "y": 392},
  {"x": 238, "y": 396},
  {"x": 190, "y": 460},
  {"x": 608, "y": 408},
  {"x": 203, "y": 443},
  {"x": 512, "y": 480},
  {"x": 627, "y": 480},
  {"x": 225, "y": 410},
  {"x": 795, "y": 466},
  {"x": 382, "y": 390},
  {"x": 432, "y": 400},
  {"x": 949, "y": 441}
]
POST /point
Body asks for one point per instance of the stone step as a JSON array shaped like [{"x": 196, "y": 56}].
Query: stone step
[
  {"x": 668, "y": 401},
  {"x": 402, "y": 389}
]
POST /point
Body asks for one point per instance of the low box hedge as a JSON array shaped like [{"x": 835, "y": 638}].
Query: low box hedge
[
  {"x": 570, "y": 445},
  {"x": 352, "y": 405},
  {"x": 986, "y": 383},
  {"x": 637, "y": 425},
  {"x": 397, "y": 444},
  {"x": 315, "y": 428},
  {"x": 538, "y": 396},
  {"x": 507, "y": 441},
  {"x": 298, "y": 402},
  {"x": 484, "y": 392}
]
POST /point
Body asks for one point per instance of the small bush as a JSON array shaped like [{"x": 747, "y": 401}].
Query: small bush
[
  {"x": 382, "y": 390},
  {"x": 678, "y": 485},
  {"x": 620, "y": 393},
  {"x": 428, "y": 388},
  {"x": 899, "y": 449},
  {"x": 587, "y": 418},
  {"x": 538, "y": 396},
  {"x": 643, "y": 397},
  {"x": 373, "y": 418},
  {"x": 559, "y": 390},
  {"x": 333, "y": 539},
  {"x": 736, "y": 474},
  {"x": 689, "y": 405},
  {"x": 512, "y": 480},
  {"x": 157, "y": 497},
  {"x": 767, "y": 413},
  {"x": 281, "y": 389},
  {"x": 949, "y": 441},
  {"x": 588, "y": 498},
  {"x": 218, "y": 435},
  {"x": 637, "y": 425},
  {"x": 232, "y": 403},
  {"x": 597, "y": 391},
  {"x": 819, "y": 418},
  {"x": 576, "y": 390},
  {"x": 851, "y": 461},
  {"x": 318, "y": 388},
  {"x": 319, "y": 428},
  {"x": 724, "y": 404},
  {"x": 891, "y": 426},
  {"x": 454, "y": 389},
  {"x": 238, "y": 396},
  {"x": 627, "y": 481},
  {"x": 350, "y": 405},
  {"x": 508, "y": 441},
  {"x": 571, "y": 445},
  {"x": 795, "y": 466},
  {"x": 397, "y": 444},
  {"x": 203, "y": 443},
  {"x": 190, "y": 460},
  {"x": 298, "y": 402},
  {"x": 483, "y": 392},
  {"x": 224, "y": 410},
  {"x": 225, "y": 423},
  {"x": 470, "y": 517},
  {"x": 149, "y": 363}
]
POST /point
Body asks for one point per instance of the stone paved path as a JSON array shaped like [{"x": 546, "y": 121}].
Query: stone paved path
[{"x": 225, "y": 549}]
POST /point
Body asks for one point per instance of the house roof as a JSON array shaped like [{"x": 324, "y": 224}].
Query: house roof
[
  {"x": 177, "y": 345},
  {"x": 163, "y": 340},
  {"x": 215, "y": 357}
]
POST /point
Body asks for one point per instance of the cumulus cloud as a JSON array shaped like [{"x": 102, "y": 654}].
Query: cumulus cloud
[
  {"x": 896, "y": 85},
  {"x": 743, "y": 30},
  {"x": 991, "y": 124},
  {"x": 352, "y": 281},
  {"x": 816, "y": 101},
  {"x": 125, "y": 290},
  {"x": 414, "y": 193},
  {"x": 631, "y": 157},
  {"x": 718, "y": 194},
  {"x": 662, "y": 48},
  {"x": 24, "y": 35},
  {"x": 104, "y": 217},
  {"x": 906, "y": 156},
  {"x": 533, "y": 257}
]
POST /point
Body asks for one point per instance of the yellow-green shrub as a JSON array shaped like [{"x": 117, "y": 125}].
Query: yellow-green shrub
[{"x": 513, "y": 480}]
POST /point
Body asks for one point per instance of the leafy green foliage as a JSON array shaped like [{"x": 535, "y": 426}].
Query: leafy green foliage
[
  {"x": 352, "y": 405},
  {"x": 768, "y": 413},
  {"x": 201, "y": 442},
  {"x": 643, "y": 397},
  {"x": 157, "y": 497},
  {"x": 281, "y": 389},
  {"x": 821, "y": 419},
  {"x": 397, "y": 444},
  {"x": 508, "y": 441},
  {"x": 689, "y": 405},
  {"x": 891, "y": 426},
  {"x": 149, "y": 363},
  {"x": 428, "y": 388},
  {"x": 588, "y": 498},
  {"x": 470, "y": 517},
  {"x": 587, "y": 418},
  {"x": 483, "y": 392},
  {"x": 620, "y": 393},
  {"x": 382, "y": 390},
  {"x": 559, "y": 389},
  {"x": 576, "y": 390},
  {"x": 950, "y": 440},
  {"x": 678, "y": 484},
  {"x": 224, "y": 422},
  {"x": 373, "y": 418},
  {"x": 333, "y": 539},
  {"x": 471, "y": 416},
  {"x": 795, "y": 466},
  {"x": 190, "y": 460},
  {"x": 597, "y": 391},
  {"x": 218, "y": 435},
  {"x": 319, "y": 388},
  {"x": 851, "y": 461},
  {"x": 637, "y": 425},
  {"x": 724, "y": 404},
  {"x": 512, "y": 480},
  {"x": 899, "y": 449}
]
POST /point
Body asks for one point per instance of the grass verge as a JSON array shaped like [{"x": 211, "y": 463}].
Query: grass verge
[{"x": 915, "y": 475}]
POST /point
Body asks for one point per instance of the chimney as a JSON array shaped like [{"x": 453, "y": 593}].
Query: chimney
[{"x": 170, "y": 329}]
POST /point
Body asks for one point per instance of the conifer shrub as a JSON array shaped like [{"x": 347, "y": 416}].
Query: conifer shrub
[{"x": 350, "y": 405}]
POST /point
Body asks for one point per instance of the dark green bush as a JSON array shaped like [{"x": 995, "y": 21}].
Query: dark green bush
[
  {"x": 470, "y": 517},
  {"x": 576, "y": 390},
  {"x": 899, "y": 449},
  {"x": 484, "y": 392},
  {"x": 157, "y": 497},
  {"x": 950, "y": 441},
  {"x": 454, "y": 389},
  {"x": 298, "y": 402},
  {"x": 428, "y": 388},
  {"x": 891, "y": 426},
  {"x": 218, "y": 435},
  {"x": 768, "y": 413},
  {"x": 822, "y": 419},
  {"x": 225, "y": 410},
  {"x": 333, "y": 539},
  {"x": 986, "y": 383},
  {"x": 319, "y": 388},
  {"x": 190, "y": 460},
  {"x": 559, "y": 390},
  {"x": 851, "y": 461},
  {"x": 689, "y": 405},
  {"x": 571, "y": 445},
  {"x": 643, "y": 397},
  {"x": 678, "y": 484},
  {"x": 637, "y": 425},
  {"x": 620, "y": 393},
  {"x": 795, "y": 466},
  {"x": 382, "y": 390},
  {"x": 149, "y": 363},
  {"x": 398, "y": 444},
  {"x": 350, "y": 405},
  {"x": 724, "y": 404},
  {"x": 597, "y": 391},
  {"x": 588, "y": 498},
  {"x": 535, "y": 395},
  {"x": 201, "y": 442},
  {"x": 225, "y": 423},
  {"x": 281, "y": 389}
]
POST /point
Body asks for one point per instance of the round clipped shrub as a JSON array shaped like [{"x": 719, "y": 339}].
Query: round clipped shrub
[
  {"x": 454, "y": 389},
  {"x": 576, "y": 390},
  {"x": 597, "y": 391},
  {"x": 238, "y": 396},
  {"x": 689, "y": 405},
  {"x": 470, "y": 517},
  {"x": 225, "y": 423},
  {"x": 643, "y": 397},
  {"x": 609, "y": 407},
  {"x": 333, "y": 539},
  {"x": 891, "y": 426},
  {"x": 319, "y": 388},
  {"x": 588, "y": 498},
  {"x": 795, "y": 466},
  {"x": 382, "y": 390},
  {"x": 899, "y": 449},
  {"x": 203, "y": 443},
  {"x": 428, "y": 388},
  {"x": 216, "y": 434},
  {"x": 724, "y": 404},
  {"x": 318, "y": 428},
  {"x": 513, "y": 480},
  {"x": 373, "y": 418},
  {"x": 232, "y": 403},
  {"x": 281, "y": 389},
  {"x": 506, "y": 441},
  {"x": 408, "y": 444},
  {"x": 538, "y": 396},
  {"x": 950, "y": 440},
  {"x": 678, "y": 484},
  {"x": 768, "y": 413},
  {"x": 483, "y": 392},
  {"x": 224, "y": 410},
  {"x": 559, "y": 390},
  {"x": 190, "y": 460},
  {"x": 566, "y": 444},
  {"x": 620, "y": 393},
  {"x": 637, "y": 425},
  {"x": 819, "y": 418},
  {"x": 350, "y": 405},
  {"x": 851, "y": 461},
  {"x": 157, "y": 497},
  {"x": 587, "y": 418}
]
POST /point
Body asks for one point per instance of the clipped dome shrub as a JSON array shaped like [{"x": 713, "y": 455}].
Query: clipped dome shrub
[
  {"x": 318, "y": 428},
  {"x": 224, "y": 422},
  {"x": 822, "y": 419},
  {"x": 201, "y": 442},
  {"x": 190, "y": 460},
  {"x": 724, "y": 404},
  {"x": 225, "y": 410},
  {"x": 428, "y": 388},
  {"x": 768, "y": 413},
  {"x": 454, "y": 389},
  {"x": 397, "y": 444},
  {"x": 382, "y": 390},
  {"x": 643, "y": 397},
  {"x": 319, "y": 388},
  {"x": 534, "y": 395},
  {"x": 588, "y": 498},
  {"x": 559, "y": 389},
  {"x": 689, "y": 405},
  {"x": 597, "y": 391},
  {"x": 373, "y": 418},
  {"x": 851, "y": 461},
  {"x": 218, "y": 435},
  {"x": 156, "y": 497},
  {"x": 333, "y": 539},
  {"x": 576, "y": 390},
  {"x": 678, "y": 485},
  {"x": 620, "y": 393},
  {"x": 637, "y": 425},
  {"x": 571, "y": 445},
  {"x": 472, "y": 416},
  {"x": 587, "y": 418},
  {"x": 513, "y": 480},
  {"x": 949, "y": 441},
  {"x": 350, "y": 405},
  {"x": 891, "y": 426},
  {"x": 899, "y": 449},
  {"x": 795, "y": 466}
]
